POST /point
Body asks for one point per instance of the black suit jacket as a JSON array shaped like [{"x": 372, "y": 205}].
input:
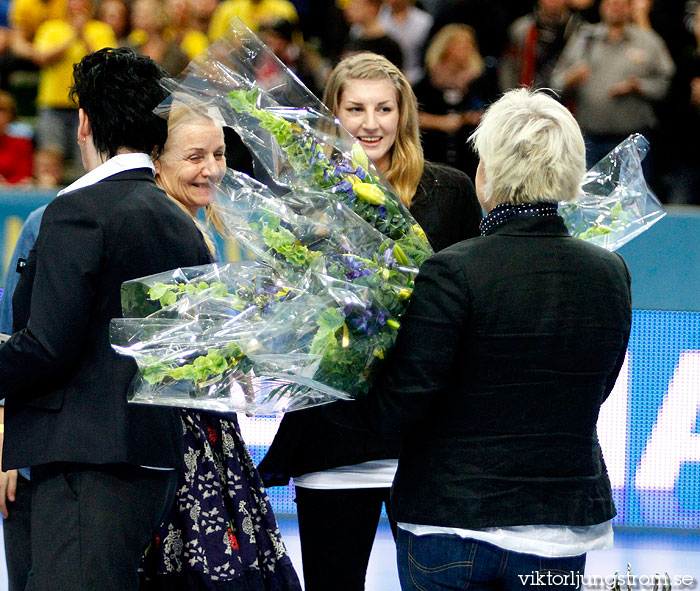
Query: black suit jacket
[
  {"x": 65, "y": 386},
  {"x": 511, "y": 343}
]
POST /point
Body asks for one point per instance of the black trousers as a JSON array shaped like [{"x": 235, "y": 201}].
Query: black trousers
[
  {"x": 91, "y": 523},
  {"x": 17, "y": 531},
  {"x": 336, "y": 531}
]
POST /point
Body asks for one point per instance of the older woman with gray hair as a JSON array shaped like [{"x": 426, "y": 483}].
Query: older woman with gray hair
[{"x": 511, "y": 343}]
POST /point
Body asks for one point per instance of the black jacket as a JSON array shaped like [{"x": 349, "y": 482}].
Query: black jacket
[
  {"x": 446, "y": 207},
  {"x": 65, "y": 386},
  {"x": 511, "y": 343}
]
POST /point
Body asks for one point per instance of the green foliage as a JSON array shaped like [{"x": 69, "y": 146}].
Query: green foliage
[
  {"x": 283, "y": 242},
  {"x": 168, "y": 293},
  {"x": 200, "y": 369}
]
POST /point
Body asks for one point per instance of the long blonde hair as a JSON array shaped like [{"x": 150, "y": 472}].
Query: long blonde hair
[{"x": 407, "y": 162}]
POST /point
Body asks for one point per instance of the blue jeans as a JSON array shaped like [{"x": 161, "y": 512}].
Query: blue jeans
[{"x": 446, "y": 562}]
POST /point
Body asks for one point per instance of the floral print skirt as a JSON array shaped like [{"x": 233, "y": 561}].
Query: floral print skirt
[{"x": 221, "y": 533}]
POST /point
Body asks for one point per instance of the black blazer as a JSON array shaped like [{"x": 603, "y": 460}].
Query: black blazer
[
  {"x": 446, "y": 207},
  {"x": 511, "y": 343},
  {"x": 65, "y": 386}
]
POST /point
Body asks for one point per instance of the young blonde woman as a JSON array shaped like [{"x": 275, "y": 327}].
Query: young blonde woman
[{"x": 342, "y": 477}]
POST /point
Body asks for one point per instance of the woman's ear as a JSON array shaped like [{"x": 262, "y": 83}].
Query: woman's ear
[{"x": 84, "y": 127}]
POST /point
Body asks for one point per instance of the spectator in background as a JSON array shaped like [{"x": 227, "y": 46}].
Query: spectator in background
[
  {"x": 200, "y": 15},
  {"x": 58, "y": 44},
  {"x": 149, "y": 21},
  {"x": 26, "y": 16},
  {"x": 489, "y": 19},
  {"x": 586, "y": 9},
  {"x": 453, "y": 96},
  {"x": 535, "y": 42},
  {"x": 326, "y": 28},
  {"x": 409, "y": 27},
  {"x": 48, "y": 168},
  {"x": 16, "y": 153},
  {"x": 681, "y": 128},
  {"x": 616, "y": 73},
  {"x": 117, "y": 14},
  {"x": 181, "y": 30},
  {"x": 286, "y": 42},
  {"x": 252, "y": 12},
  {"x": 366, "y": 34}
]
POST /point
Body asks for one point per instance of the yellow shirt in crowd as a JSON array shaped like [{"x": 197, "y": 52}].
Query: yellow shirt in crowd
[
  {"x": 28, "y": 15},
  {"x": 194, "y": 43},
  {"x": 56, "y": 78},
  {"x": 253, "y": 14}
]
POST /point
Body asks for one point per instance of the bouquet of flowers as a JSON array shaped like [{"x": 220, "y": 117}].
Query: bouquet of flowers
[
  {"x": 614, "y": 204},
  {"x": 334, "y": 253},
  {"x": 308, "y": 321}
]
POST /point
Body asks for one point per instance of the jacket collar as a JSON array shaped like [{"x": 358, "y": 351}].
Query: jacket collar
[
  {"x": 531, "y": 226},
  {"x": 115, "y": 165}
]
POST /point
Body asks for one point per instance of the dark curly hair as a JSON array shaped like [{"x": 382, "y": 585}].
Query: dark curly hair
[{"x": 118, "y": 90}]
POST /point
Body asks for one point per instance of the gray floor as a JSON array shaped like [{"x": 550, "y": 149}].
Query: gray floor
[{"x": 647, "y": 551}]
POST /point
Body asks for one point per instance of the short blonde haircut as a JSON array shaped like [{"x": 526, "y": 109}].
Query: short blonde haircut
[
  {"x": 531, "y": 149},
  {"x": 441, "y": 42},
  {"x": 406, "y": 166}
]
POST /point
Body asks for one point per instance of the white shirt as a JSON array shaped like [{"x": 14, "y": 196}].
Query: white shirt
[
  {"x": 116, "y": 164},
  {"x": 550, "y": 541},
  {"x": 373, "y": 474},
  {"x": 411, "y": 36}
]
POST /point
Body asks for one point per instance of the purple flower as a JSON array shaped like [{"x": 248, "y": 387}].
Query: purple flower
[
  {"x": 341, "y": 169},
  {"x": 356, "y": 268},
  {"x": 342, "y": 187},
  {"x": 381, "y": 210},
  {"x": 389, "y": 259}
]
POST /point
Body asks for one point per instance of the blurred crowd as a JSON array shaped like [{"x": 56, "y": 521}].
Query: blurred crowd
[{"x": 621, "y": 66}]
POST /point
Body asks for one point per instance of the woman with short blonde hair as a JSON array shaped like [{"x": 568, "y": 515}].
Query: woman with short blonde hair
[{"x": 531, "y": 149}]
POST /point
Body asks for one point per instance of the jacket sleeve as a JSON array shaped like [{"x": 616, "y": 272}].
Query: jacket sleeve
[
  {"x": 419, "y": 366},
  {"x": 612, "y": 377},
  {"x": 68, "y": 253}
]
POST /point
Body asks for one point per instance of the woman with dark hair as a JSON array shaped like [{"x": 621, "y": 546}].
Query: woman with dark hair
[
  {"x": 102, "y": 471},
  {"x": 342, "y": 476}
]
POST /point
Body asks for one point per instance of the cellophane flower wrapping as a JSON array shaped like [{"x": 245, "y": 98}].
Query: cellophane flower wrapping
[
  {"x": 615, "y": 204},
  {"x": 334, "y": 253}
]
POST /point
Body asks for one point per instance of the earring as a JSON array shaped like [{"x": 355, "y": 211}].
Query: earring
[{"x": 81, "y": 141}]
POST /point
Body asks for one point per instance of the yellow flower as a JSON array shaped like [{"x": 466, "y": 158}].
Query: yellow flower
[{"x": 371, "y": 193}]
